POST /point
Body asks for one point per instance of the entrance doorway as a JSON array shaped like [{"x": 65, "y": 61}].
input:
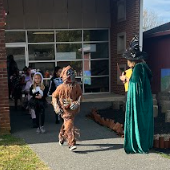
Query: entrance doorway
[{"x": 20, "y": 54}]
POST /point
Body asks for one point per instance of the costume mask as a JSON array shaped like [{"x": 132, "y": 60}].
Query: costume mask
[
  {"x": 71, "y": 75},
  {"x": 68, "y": 75}
]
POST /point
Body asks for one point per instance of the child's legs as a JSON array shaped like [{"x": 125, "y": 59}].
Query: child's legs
[
  {"x": 42, "y": 113},
  {"x": 61, "y": 133},
  {"x": 37, "y": 113},
  {"x": 69, "y": 131}
]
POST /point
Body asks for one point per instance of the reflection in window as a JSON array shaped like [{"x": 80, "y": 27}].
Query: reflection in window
[
  {"x": 19, "y": 55},
  {"x": 11, "y": 37},
  {"x": 41, "y": 51},
  {"x": 98, "y": 50},
  {"x": 40, "y": 36},
  {"x": 77, "y": 66},
  {"x": 69, "y": 36},
  {"x": 97, "y": 84},
  {"x": 45, "y": 68},
  {"x": 95, "y": 35},
  {"x": 68, "y": 51}
]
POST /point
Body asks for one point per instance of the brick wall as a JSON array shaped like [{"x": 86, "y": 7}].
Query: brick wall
[
  {"x": 131, "y": 27},
  {"x": 4, "y": 102}
]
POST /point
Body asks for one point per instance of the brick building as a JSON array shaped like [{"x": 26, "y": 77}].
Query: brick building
[
  {"x": 90, "y": 35},
  {"x": 156, "y": 43}
]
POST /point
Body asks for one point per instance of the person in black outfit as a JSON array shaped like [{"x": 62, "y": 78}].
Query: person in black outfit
[
  {"x": 12, "y": 67},
  {"x": 54, "y": 83}
]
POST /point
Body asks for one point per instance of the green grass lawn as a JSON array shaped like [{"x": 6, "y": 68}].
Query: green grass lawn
[{"x": 15, "y": 154}]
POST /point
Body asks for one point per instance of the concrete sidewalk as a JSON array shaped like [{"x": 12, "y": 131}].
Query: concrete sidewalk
[{"x": 98, "y": 148}]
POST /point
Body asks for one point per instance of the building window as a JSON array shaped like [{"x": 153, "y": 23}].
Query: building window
[
  {"x": 15, "y": 37},
  {"x": 86, "y": 50},
  {"x": 121, "y": 42},
  {"x": 121, "y": 10}
]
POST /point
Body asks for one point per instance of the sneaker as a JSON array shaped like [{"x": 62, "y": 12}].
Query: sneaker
[
  {"x": 61, "y": 142},
  {"x": 38, "y": 130},
  {"x": 72, "y": 148},
  {"x": 42, "y": 129}
]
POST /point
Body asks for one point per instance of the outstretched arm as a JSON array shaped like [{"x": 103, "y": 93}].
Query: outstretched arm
[{"x": 55, "y": 95}]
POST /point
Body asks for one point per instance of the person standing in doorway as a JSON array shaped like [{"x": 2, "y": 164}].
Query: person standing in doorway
[
  {"x": 12, "y": 67},
  {"x": 138, "y": 128}
]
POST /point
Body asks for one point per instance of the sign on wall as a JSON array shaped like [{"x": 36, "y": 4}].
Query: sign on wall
[{"x": 165, "y": 79}]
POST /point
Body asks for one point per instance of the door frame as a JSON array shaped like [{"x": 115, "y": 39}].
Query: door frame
[{"x": 16, "y": 45}]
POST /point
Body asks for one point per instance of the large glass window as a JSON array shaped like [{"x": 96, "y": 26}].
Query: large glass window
[
  {"x": 87, "y": 51},
  {"x": 41, "y": 52},
  {"x": 68, "y": 51},
  {"x": 19, "y": 55},
  {"x": 96, "y": 67},
  {"x": 69, "y": 36},
  {"x": 96, "y": 84},
  {"x": 96, "y": 50},
  {"x": 45, "y": 68},
  {"x": 95, "y": 35},
  {"x": 40, "y": 36},
  {"x": 17, "y": 36},
  {"x": 77, "y": 65}
]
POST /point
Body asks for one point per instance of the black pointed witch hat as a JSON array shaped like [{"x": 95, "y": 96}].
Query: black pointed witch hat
[{"x": 133, "y": 52}]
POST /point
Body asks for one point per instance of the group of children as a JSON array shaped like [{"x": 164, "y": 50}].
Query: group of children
[{"x": 66, "y": 96}]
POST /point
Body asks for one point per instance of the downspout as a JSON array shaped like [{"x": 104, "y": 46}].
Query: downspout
[{"x": 141, "y": 25}]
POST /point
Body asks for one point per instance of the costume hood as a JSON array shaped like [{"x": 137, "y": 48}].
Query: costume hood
[{"x": 38, "y": 73}]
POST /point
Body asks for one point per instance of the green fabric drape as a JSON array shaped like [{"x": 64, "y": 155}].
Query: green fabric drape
[{"x": 139, "y": 112}]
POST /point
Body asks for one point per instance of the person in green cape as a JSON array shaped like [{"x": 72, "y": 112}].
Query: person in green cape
[{"x": 139, "y": 122}]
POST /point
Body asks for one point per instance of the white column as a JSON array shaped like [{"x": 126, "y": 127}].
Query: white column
[{"x": 141, "y": 25}]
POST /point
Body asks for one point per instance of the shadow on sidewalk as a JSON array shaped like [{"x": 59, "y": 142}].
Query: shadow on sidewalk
[
  {"x": 21, "y": 127},
  {"x": 101, "y": 147}
]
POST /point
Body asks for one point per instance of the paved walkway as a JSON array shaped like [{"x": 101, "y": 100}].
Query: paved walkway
[{"x": 98, "y": 148}]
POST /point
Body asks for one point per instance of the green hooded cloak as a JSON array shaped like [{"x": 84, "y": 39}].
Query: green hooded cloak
[{"x": 138, "y": 130}]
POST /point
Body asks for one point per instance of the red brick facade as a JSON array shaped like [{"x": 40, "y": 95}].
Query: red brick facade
[
  {"x": 4, "y": 102},
  {"x": 131, "y": 27}
]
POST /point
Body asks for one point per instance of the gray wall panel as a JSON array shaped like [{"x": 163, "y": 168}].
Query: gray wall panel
[
  {"x": 16, "y": 22},
  {"x": 89, "y": 20},
  {"x": 58, "y": 13},
  {"x": 46, "y": 21},
  {"x": 60, "y": 20},
  {"x": 89, "y": 6},
  {"x": 60, "y": 6},
  {"x": 46, "y": 6},
  {"x": 103, "y": 20},
  {"x": 30, "y": 6},
  {"x": 31, "y": 21},
  {"x": 75, "y": 6},
  {"x": 15, "y": 7},
  {"x": 75, "y": 20},
  {"x": 103, "y": 6}
]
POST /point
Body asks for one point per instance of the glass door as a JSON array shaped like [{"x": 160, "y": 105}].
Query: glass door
[{"x": 19, "y": 53}]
